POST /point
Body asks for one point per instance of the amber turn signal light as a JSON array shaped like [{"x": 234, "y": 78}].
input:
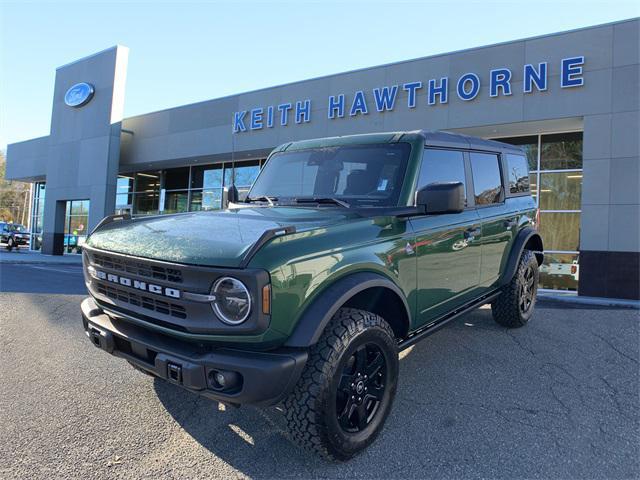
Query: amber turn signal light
[{"x": 266, "y": 299}]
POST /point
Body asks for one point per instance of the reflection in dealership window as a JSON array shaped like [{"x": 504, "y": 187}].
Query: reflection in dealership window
[
  {"x": 556, "y": 185},
  {"x": 560, "y": 231},
  {"x": 560, "y": 271},
  {"x": 560, "y": 191},
  {"x": 561, "y": 151}
]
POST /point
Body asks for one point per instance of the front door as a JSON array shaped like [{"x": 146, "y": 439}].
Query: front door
[{"x": 447, "y": 248}]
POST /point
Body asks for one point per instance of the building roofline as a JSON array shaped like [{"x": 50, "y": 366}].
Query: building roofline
[
  {"x": 384, "y": 65},
  {"x": 115, "y": 47}
]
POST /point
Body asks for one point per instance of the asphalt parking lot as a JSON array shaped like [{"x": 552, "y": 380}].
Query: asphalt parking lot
[{"x": 557, "y": 399}]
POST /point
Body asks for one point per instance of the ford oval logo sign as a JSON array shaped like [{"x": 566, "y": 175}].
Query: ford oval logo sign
[{"x": 79, "y": 94}]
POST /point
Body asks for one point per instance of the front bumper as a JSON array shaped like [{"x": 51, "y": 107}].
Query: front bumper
[{"x": 264, "y": 378}]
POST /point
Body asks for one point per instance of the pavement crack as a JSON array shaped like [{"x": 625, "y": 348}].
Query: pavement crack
[{"x": 614, "y": 348}]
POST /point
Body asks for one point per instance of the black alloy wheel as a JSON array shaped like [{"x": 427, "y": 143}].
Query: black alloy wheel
[
  {"x": 361, "y": 388},
  {"x": 527, "y": 289}
]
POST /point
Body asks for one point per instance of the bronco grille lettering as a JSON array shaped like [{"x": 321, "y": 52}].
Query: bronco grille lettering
[{"x": 128, "y": 282}]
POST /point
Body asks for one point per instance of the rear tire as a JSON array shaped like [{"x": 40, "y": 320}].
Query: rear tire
[
  {"x": 347, "y": 388},
  {"x": 515, "y": 304}
]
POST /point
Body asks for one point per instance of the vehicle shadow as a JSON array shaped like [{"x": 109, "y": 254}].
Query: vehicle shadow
[{"x": 254, "y": 442}]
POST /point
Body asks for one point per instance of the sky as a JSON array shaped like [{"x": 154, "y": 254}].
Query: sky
[{"x": 184, "y": 52}]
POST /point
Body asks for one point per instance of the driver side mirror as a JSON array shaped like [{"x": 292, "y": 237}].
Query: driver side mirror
[{"x": 439, "y": 198}]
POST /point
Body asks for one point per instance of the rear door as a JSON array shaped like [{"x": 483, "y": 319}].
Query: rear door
[
  {"x": 448, "y": 258},
  {"x": 497, "y": 220}
]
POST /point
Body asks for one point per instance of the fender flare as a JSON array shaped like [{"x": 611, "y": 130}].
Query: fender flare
[
  {"x": 523, "y": 237},
  {"x": 322, "y": 309}
]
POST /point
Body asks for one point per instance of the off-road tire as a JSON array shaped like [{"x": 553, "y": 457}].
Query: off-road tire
[
  {"x": 311, "y": 411},
  {"x": 507, "y": 307}
]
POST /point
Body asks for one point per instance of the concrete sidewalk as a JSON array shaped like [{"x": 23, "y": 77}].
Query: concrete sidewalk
[{"x": 24, "y": 256}]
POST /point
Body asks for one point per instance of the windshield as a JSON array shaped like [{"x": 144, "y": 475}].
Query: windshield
[
  {"x": 361, "y": 175},
  {"x": 14, "y": 227}
]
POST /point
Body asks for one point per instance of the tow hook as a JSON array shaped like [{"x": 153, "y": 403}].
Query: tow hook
[
  {"x": 174, "y": 373},
  {"x": 100, "y": 338}
]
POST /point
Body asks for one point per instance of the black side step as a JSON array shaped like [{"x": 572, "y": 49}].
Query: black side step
[{"x": 427, "y": 330}]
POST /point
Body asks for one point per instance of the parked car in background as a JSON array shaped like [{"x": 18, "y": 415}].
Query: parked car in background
[{"x": 13, "y": 235}]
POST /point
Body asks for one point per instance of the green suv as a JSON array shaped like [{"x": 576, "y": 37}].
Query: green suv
[{"x": 346, "y": 251}]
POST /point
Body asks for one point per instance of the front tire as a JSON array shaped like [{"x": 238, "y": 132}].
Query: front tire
[
  {"x": 514, "y": 306},
  {"x": 346, "y": 391},
  {"x": 10, "y": 244}
]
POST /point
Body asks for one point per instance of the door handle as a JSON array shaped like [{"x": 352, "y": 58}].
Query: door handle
[
  {"x": 472, "y": 232},
  {"x": 509, "y": 224}
]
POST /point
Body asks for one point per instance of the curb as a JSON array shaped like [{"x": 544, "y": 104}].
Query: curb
[
  {"x": 589, "y": 301},
  {"x": 27, "y": 262}
]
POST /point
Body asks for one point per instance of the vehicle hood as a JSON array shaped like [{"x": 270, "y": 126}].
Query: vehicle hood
[{"x": 220, "y": 238}]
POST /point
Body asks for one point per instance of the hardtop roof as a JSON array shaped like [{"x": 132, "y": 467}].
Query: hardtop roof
[{"x": 432, "y": 138}]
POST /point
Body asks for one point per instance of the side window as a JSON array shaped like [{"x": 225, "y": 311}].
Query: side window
[
  {"x": 442, "y": 166},
  {"x": 486, "y": 178},
  {"x": 518, "y": 173}
]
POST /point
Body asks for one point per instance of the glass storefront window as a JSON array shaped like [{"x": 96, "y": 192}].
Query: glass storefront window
[
  {"x": 560, "y": 191},
  {"x": 37, "y": 215},
  {"x": 176, "y": 202},
  {"x": 561, "y": 151},
  {"x": 209, "y": 176},
  {"x": 176, "y": 178},
  {"x": 184, "y": 189},
  {"x": 145, "y": 181},
  {"x": 124, "y": 187},
  {"x": 76, "y": 225},
  {"x": 145, "y": 203},
  {"x": 555, "y": 179},
  {"x": 560, "y": 271},
  {"x": 533, "y": 185},
  {"x": 79, "y": 207},
  {"x": 245, "y": 174},
  {"x": 560, "y": 231}
]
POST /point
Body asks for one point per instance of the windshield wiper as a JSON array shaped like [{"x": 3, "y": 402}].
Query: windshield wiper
[
  {"x": 319, "y": 200},
  {"x": 262, "y": 198}
]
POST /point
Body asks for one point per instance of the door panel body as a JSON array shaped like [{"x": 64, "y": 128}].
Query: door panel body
[
  {"x": 497, "y": 234},
  {"x": 448, "y": 262},
  {"x": 495, "y": 214}
]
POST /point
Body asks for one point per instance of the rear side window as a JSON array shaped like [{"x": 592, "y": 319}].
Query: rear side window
[
  {"x": 518, "y": 173},
  {"x": 442, "y": 166},
  {"x": 486, "y": 178}
]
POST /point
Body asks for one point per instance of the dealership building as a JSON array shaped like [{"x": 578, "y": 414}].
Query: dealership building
[{"x": 570, "y": 100}]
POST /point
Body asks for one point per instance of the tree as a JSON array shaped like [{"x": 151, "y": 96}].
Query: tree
[{"x": 14, "y": 197}]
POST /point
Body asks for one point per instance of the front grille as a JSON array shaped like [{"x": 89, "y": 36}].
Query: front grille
[
  {"x": 137, "y": 268},
  {"x": 143, "y": 301}
]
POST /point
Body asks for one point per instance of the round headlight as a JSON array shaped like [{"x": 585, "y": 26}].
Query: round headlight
[{"x": 233, "y": 302}]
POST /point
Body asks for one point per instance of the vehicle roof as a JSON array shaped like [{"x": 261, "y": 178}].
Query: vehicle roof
[
  {"x": 439, "y": 138},
  {"x": 433, "y": 138}
]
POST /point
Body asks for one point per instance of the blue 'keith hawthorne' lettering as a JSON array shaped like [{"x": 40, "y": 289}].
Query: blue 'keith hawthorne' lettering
[{"x": 436, "y": 92}]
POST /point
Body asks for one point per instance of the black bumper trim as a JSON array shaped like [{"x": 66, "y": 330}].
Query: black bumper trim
[{"x": 267, "y": 377}]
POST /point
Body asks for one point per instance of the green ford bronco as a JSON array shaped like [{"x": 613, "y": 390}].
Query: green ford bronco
[{"x": 345, "y": 251}]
